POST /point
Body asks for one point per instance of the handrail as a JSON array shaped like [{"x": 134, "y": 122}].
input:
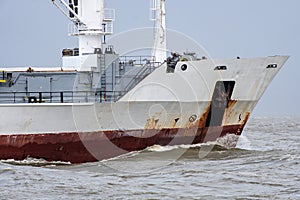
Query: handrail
[
  {"x": 143, "y": 73},
  {"x": 60, "y": 97},
  {"x": 139, "y": 76}
]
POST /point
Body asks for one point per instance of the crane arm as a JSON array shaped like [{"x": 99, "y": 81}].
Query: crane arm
[{"x": 62, "y": 4}]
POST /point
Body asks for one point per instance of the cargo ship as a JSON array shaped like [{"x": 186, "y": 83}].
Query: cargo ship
[{"x": 99, "y": 105}]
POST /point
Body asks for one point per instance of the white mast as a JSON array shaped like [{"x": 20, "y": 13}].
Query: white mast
[{"x": 158, "y": 14}]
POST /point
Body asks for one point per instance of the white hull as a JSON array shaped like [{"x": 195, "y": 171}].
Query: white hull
[{"x": 160, "y": 96}]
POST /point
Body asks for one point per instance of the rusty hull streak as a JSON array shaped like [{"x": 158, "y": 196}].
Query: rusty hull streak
[
  {"x": 203, "y": 118},
  {"x": 151, "y": 123},
  {"x": 175, "y": 121},
  {"x": 246, "y": 118},
  {"x": 229, "y": 110},
  {"x": 231, "y": 103}
]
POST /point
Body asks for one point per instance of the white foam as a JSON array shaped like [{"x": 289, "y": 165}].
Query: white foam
[
  {"x": 34, "y": 161},
  {"x": 229, "y": 141},
  {"x": 123, "y": 156},
  {"x": 244, "y": 143},
  {"x": 158, "y": 148}
]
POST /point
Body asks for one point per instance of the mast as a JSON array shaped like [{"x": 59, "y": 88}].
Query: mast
[{"x": 158, "y": 15}]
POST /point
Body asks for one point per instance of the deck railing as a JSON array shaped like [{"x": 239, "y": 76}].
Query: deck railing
[{"x": 60, "y": 97}]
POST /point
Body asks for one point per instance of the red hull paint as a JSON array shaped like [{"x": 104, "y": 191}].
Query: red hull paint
[{"x": 89, "y": 147}]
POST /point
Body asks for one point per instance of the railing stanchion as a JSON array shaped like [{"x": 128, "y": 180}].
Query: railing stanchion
[
  {"x": 40, "y": 97},
  {"x": 61, "y": 97}
]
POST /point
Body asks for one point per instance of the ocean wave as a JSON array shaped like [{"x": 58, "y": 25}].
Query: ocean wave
[
  {"x": 6, "y": 170},
  {"x": 123, "y": 156},
  {"x": 228, "y": 142},
  {"x": 221, "y": 144},
  {"x": 34, "y": 162}
]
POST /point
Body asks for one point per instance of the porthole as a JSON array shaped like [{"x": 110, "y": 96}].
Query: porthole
[
  {"x": 183, "y": 67},
  {"x": 193, "y": 118}
]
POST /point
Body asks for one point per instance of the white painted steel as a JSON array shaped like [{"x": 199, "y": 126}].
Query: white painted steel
[
  {"x": 87, "y": 117},
  {"x": 92, "y": 14},
  {"x": 197, "y": 83},
  {"x": 88, "y": 25},
  {"x": 154, "y": 103},
  {"x": 159, "y": 50}
]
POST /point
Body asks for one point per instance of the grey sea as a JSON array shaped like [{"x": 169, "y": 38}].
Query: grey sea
[{"x": 265, "y": 164}]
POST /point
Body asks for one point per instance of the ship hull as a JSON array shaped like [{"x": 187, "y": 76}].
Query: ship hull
[
  {"x": 198, "y": 102},
  {"x": 100, "y": 131},
  {"x": 95, "y": 146}
]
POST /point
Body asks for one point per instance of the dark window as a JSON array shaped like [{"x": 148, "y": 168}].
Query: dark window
[
  {"x": 9, "y": 76},
  {"x": 221, "y": 67},
  {"x": 76, "y": 52},
  {"x": 272, "y": 66}
]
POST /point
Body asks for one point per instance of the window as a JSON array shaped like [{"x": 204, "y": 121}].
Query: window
[
  {"x": 272, "y": 66},
  {"x": 221, "y": 67},
  {"x": 9, "y": 76}
]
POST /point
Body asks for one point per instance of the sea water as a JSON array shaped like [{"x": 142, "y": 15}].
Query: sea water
[{"x": 265, "y": 164}]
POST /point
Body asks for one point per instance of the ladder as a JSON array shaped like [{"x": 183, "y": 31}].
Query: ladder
[{"x": 103, "y": 76}]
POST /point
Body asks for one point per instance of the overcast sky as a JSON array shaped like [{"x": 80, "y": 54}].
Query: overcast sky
[{"x": 33, "y": 32}]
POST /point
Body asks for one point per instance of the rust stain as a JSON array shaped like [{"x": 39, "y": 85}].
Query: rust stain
[
  {"x": 189, "y": 124},
  {"x": 246, "y": 118},
  {"x": 151, "y": 123},
  {"x": 230, "y": 111},
  {"x": 174, "y": 122},
  {"x": 231, "y": 103},
  {"x": 203, "y": 118}
]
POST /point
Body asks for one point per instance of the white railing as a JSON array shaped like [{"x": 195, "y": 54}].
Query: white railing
[
  {"x": 73, "y": 29},
  {"x": 153, "y": 8},
  {"x": 109, "y": 28},
  {"x": 109, "y": 15}
]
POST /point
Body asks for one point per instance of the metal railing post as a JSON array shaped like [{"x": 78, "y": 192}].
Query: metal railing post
[
  {"x": 40, "y": 97},
  {"x": 61, "y": 97}
]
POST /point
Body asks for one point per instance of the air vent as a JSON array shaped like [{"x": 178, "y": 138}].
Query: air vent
[{"x": 221, "y": 67}]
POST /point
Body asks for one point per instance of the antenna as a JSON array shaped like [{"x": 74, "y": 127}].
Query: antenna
[{"x": 158, "y": 15}]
